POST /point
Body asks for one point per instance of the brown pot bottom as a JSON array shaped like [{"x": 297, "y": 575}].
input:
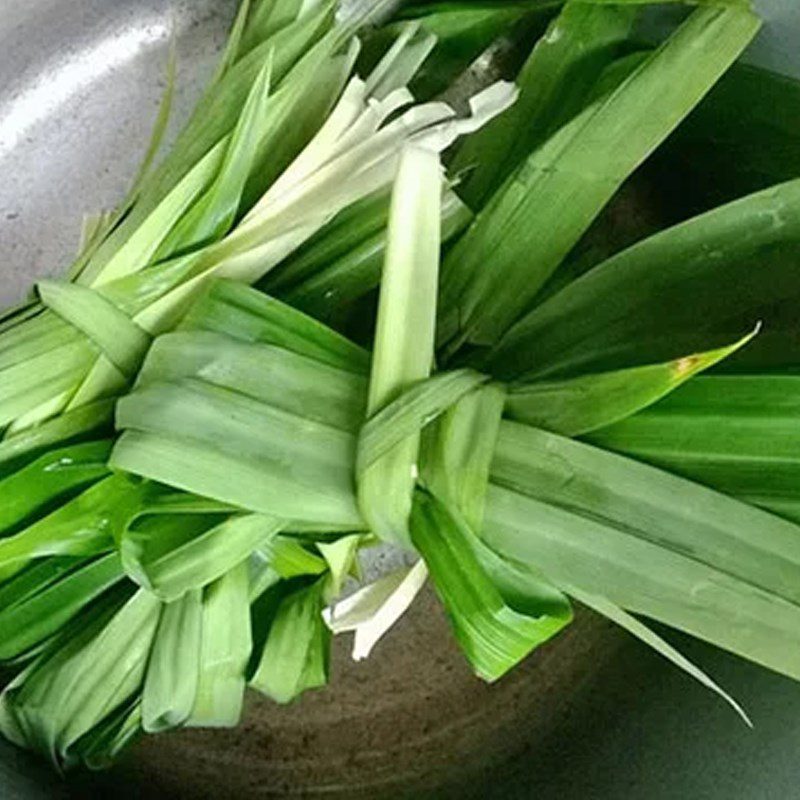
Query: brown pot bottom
[{"x": 411, "y": 720}]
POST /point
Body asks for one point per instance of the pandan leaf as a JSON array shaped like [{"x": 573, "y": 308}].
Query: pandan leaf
[
  {"x": 458, "y": 450},
  {"x": 576, "y": 406},
  {"x": 90, "y": 421},
  {"x": 290, "y": 559},
  {"x": 86, "y": 525},
  {"x": 173, "y": 554},
  {"x": 212, "y": 215},
  {"x": 357, "y": 272},
  {"x": 651, "y": 639},
  {"x": 50, "y": 480},
  {"x": 234, "y": 47},
  {"x": 255, "y": 456},
  {"x": 705, "y": 281},
  {"x": 143, "y": 243},
  {"x": 352, "y": 226},
  {"x": 340, "y": 556},
  {"x": 650, "y": 542},
  {"x": 405, "y": 416},
  {"x": 267, "y": 373},
  {"x": 401, "y": 61},
  {"x": 556, "y": 194},
  {"x": 735, "y": 433},
  {"x": 242, "y": 313},
  {"x": 76, "y": 685},
  {"x": 120, "y": 339},
  {"x": 403, "y": 351},
  {"x": 554, "y": 83},
  {"x": 295, "y": 655},
  {"x": 213, "y": 119},
  {"x": 171, "y": 681},
  {"x": 224, "y": 651},
  {"x": 39, "y": 376},
  {"x": 492, "y": 635},
  {"x": 34, "y": 618},
  {"x": 36, "y": 578},
  {"x": 102, "y": 745},
  {"x": 93, "y": 228}
]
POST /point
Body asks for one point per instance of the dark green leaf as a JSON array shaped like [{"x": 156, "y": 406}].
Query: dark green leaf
[
  {"x": 575, "y": 406},
  {"x": 739, "y": 434},
  {"x": 532, "y": 223},
  {"x": 554, "y": 83},
  {"x": 492, "y": 635},
  {"x": 703, "y": 282}
]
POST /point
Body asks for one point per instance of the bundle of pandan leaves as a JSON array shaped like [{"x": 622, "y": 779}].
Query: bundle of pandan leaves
[{"x": 477, "y": 364}]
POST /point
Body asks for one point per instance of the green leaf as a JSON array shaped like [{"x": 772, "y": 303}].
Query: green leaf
[
  {"x": 234, "y": 47},
  {"x": 142, "y": 245},
  {"x": 492, "y": 635},
  {"x": 36, "y": 578},
  {"x": 348, "y": 229},
  {"x": 356, "y": 272},
  {"x": 553, "y": 198},
  {"x": 39, "y": 371},
  {"x": 404, "y": 335},
  {"x": 738, "y": 434},
  {"x": 102, "y": 745},
  {"x": 458, "y": 450},
  {"x": 554, "y": 83},
  {"x": 706, "y": 281},
  {"x": 170, "y": 685},
  {"x": 401, "y": 61},
  {"x": 99, "y": 748},
  {"x": 523, "y": 587},
  {"x": 75, "y": 686},
  {"x": 33, "y": 619},
  {"x": 651, "y": 639},
  {"x": 576, "y": 406},
  {"x": 290, "y": 559},
  {"x": 93, "y": 228},
  {"x": 263, "y": 577},
  {"x": 170, "y": 557},
  {"x": 650, "y": 542},
  {"x": 267, "y": 17},
  {"x": 295, "y": 655},
  {"x": 251, "y": 316},
  {"x": 340, "y": 556},
  {"x": 267, "y": 373},
  {"x": 224, "y": 651},
  {"x": 88, "y": 421},
  {"x": 120, "y": 339},
  {"x": 254, "y": 456},
  {"x": 308, "y": 98},
  {"x": 213, "y": 214},
  {"x": 50, "y": 480},
  {"x": 84, "y": 526},
  {"x": 212, "y": 120},
  {"x": 351, "y": 157},
  {"x": 408, "y": 414}
]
